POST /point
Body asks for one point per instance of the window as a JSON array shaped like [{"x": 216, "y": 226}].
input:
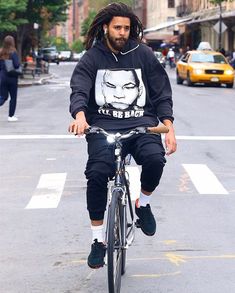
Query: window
[
  {"x": 185, "y": 57},
  {"x": 171, "y": 3},
  {"x": 204, "y": 58}
]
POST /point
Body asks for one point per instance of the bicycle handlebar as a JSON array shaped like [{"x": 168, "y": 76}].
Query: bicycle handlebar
[
  {"x": 158, "y": 129},
  {"x": 139, "y": 130}
]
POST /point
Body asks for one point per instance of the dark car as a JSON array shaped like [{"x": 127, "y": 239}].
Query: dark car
[
  {"x": 50, "y": 54},
  {"x": 161, "y": 58}
]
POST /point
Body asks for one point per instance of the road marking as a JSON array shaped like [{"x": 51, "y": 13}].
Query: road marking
[
  {"x": 48, "y": 191},
  {"x": 156, "y": 275},
  {"x": 222, "y": 138},
  {"x": 134, "y": 177},
  {"x": 61, "y": 136},
  {"x": 204, "y": 179},
  {"x": 175, "y": 258},
  {"x": 38, "y": 136}
]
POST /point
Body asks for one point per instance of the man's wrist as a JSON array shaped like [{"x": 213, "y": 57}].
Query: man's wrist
[
  {"x": 80, "y": 115},
  {"x": 168, "y": 124}
]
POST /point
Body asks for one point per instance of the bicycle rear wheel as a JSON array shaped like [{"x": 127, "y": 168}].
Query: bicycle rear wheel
[{"x": 114, "y": 245}]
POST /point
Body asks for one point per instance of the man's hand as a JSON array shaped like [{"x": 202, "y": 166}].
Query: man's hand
[
  {"x": 78, "y": 126},
  {"x": 170, "y": 140}
]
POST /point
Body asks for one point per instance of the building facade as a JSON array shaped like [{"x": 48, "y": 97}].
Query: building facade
[
  {"x": 159, "y": 14},
  {"x": 200, "y": 22},
  {"x": 71, "y": 29},
  {"x": 180, "y": 22},
  {"x": 140, "y": 9},
  {"x": 204, "y": 25}
]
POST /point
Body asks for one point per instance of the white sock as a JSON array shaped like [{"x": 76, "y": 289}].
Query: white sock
[
  {"x": 97, "y": 233},
  {"x": 144, "y": 199}
]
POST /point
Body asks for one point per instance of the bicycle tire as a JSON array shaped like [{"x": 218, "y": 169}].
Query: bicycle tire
[
  {"x": 127, "y": 218},
  {"x": 123, "y": 218},
  {"x": 114, "y": 249}
]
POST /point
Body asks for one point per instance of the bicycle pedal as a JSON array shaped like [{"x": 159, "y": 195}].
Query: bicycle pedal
[{"x": 137, "y": 223}]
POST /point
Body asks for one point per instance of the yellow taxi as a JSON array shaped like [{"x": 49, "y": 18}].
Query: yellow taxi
[{"x": 204, "y": 66}]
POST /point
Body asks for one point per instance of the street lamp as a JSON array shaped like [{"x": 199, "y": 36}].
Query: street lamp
[{"x": 36, "y": 27}]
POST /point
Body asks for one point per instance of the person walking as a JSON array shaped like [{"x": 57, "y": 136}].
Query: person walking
[
  {"x": 119, "y": 85},
  {"x": 171, "y": 57},
  {"x": 9, "y": 84}
]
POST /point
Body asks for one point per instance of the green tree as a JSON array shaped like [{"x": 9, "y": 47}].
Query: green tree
[
  {"x": 97, "y": 5},
  {"x": 59, "y": 42},
  {"x": 77, "y": 46},
  {"x": 8, "y": 11},
  {"x": 87, "y": 22},
  {"x": 46, "y": 13},
  {"x": 219, "y": 1}
]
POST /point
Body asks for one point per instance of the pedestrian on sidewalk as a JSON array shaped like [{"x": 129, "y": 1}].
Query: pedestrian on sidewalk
[{"x": 9, "y": 84}]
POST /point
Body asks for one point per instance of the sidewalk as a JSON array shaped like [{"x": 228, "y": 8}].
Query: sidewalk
[{"x": 28, "y": 80}]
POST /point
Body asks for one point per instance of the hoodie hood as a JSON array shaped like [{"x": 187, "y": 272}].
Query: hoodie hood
[{"x": 130, "y": 46}]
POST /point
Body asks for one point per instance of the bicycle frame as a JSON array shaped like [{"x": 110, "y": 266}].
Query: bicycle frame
[
  {"x": 121, "y": 185},
  {"x": 120, "y": 233}
]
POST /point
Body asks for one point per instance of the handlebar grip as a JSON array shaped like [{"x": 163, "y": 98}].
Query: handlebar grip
[{"x": 158, "y": 129}]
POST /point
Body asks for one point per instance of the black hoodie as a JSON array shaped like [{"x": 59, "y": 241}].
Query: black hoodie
[{"x": 121, "y": 91}]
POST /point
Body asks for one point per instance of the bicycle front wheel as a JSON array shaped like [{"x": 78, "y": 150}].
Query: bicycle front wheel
[{"x": 114, "y": 245}]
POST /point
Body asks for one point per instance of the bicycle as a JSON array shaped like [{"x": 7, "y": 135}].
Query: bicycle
[{"x": 120, "y": 220}]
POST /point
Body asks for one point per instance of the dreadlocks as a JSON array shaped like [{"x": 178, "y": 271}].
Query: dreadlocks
[{"x": 105, "y": 16}]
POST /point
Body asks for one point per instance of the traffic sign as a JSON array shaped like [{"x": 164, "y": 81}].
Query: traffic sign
[{"x": 223, "y": 27}]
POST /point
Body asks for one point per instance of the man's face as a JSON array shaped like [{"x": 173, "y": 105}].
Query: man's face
[
  {"x": 120, "y": 88},
  {"x": 118, "y": 32}
]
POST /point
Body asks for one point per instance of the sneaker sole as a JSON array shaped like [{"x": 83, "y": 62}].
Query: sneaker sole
[
  {"x": 138, "y": 225},
  {"x": 95, "y": 267}
]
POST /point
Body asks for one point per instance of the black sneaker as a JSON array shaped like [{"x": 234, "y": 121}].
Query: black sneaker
[
  {"x": 146, "y": 220},
  {"x": 96, "y": 257}
]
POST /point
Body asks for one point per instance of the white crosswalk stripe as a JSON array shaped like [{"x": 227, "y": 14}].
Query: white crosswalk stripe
[
  {"x": 204, "y": 179},
  {"x": 49, "y": 190}
]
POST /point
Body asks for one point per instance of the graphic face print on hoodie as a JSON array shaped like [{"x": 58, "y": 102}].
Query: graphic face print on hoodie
[{"x": 120, "y": 93}]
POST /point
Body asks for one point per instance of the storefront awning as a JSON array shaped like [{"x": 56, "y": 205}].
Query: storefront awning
[
  {"x": 212, "y": 17},
  {"x": 163, "y": 25},
  {"x": 165, "y": 38}
]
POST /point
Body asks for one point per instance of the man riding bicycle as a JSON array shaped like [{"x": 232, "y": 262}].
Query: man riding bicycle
[{"x": 118, "y": 85}]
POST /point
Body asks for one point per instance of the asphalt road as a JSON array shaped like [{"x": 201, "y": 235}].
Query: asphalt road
[{"x": 43, "y": 247}]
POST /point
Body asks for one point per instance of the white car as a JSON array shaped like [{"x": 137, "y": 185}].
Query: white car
[{"x": 65, "y": 55}]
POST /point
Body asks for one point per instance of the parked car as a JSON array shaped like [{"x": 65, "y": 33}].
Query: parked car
[
  {"x": 161, "y": 58},
  {"x": 204, "y": 66},
  {"x": 50, "y": 54},
  {"x": 65, "y": 55}
]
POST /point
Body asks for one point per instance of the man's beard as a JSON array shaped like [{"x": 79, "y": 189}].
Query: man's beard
[{"x": 116, "y": 43}]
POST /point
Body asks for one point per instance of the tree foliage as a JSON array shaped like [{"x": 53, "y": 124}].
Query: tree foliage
[
  {"x": 219, "y": 1},
  {"x": 20, "y": 16},
  {"x": 47, "y": 13},
  {"x": 87, "y": 22},
  {"x": 8, "y": 14},
  {"x": 59, "y": 42},
  {"x": 77, "y": 46},
  {"x": 97, "y": 5}
]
